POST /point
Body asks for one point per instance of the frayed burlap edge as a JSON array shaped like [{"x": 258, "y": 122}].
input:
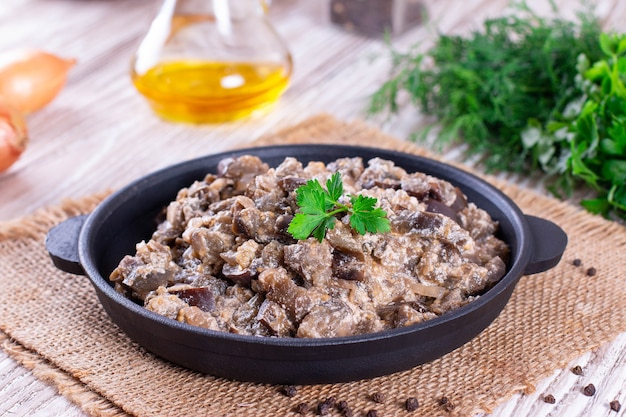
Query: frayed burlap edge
[
  {"x": 37, "y": 224},
  {"x": 71, "y": 388}
]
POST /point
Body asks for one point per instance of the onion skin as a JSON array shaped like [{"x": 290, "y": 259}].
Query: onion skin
[
  {"x": 30, "y": 79},
  {"x": 13, "y": 135}
]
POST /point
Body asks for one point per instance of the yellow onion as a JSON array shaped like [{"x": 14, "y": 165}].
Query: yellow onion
[
  {"x": 30, "y": 79},
  {"x": 13, "y": 135}
]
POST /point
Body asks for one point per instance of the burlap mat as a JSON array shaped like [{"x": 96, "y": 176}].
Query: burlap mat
[{"x": 53, "y": 323}]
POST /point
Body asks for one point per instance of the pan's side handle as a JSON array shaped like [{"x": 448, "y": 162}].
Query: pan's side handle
[
  {"x": 62, "y": 245},
  {"x": 549, "y": 243}
]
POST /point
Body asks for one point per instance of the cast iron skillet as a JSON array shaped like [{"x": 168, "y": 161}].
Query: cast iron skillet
[{"x": 93, "y": 245}]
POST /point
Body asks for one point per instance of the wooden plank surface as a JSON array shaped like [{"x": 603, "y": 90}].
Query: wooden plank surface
[{"x": 99, "y": 134}]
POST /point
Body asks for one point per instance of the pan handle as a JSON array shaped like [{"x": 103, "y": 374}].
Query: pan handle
[
  {"x": 62, "y": 244},
  {"x": 549, "y": 242}
]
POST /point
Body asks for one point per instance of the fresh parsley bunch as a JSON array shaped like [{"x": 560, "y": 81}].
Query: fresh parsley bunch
[
  {"x": 319, "y": 208},
  {"x": 591, "y": 132}
]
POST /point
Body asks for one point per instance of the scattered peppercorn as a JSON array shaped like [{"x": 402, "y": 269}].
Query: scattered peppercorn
[
  {"x": 323, "y": 408},
  {"x": 379, "y": 397},
  {"x": 446, "y": 404},
  {"x": 302, "y": 408},
  {"x": 589, "y": 390},
  {"x": 591, "y": 271},
  {"x": 372, "y": 413},
  {"x": 331, "y": 401},
  {"x": 411, "y": 404},
  {"x": 342, "y": 405},
  {"x": 577, "y": 370},
  {"x": 289, "y": 391},
  {"x": 576, "y": 262},
  {"x": 549, "y": 399},
  {"x": 344, "y": 408},
  {"x": 615, "y": 405}
]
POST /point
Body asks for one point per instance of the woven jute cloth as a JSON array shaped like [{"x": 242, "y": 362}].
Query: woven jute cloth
[{"x": 52, "y": 322}]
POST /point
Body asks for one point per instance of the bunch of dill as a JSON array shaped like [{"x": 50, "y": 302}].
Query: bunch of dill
[{"x": 483, "y": 89}]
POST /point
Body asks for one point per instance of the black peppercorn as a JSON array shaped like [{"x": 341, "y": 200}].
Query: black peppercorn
[
  {"x": 289, "y": 391},
  {"x": 302, "y": 408},
  {"x": 549, "y": 399},
  {"x": 576, "y": 262},
  {"x": 577, "y": 370},
  {"x": 446, "y": 404},
  {"x": 591, "y": 271},
  {"x": 372, "y": 413},
  {"x": 323, "y": 408},
  {"x": 344, "y": 408},
  {"x": 615, "y": 405},
  {"x": 378, "y": 397},
  {"x": 411, "y": 404},
  {"x": 589, "y": 390}
]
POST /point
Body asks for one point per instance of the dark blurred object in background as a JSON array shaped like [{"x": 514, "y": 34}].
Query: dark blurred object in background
[{"x": 376, "y": 17}]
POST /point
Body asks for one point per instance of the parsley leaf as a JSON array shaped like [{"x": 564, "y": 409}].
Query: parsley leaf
[
  {"x": 335, "y": 187},
  {"x": 366, "y": 218},
  {"x": 318, "y": 208}
]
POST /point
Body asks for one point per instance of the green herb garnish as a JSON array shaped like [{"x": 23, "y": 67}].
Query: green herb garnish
[
  {"x": 589, "y": 139},
  {"x": 526, "y": 94},
  {"x": 483, "y": 88},
  {"x": 319, "y": 208}
]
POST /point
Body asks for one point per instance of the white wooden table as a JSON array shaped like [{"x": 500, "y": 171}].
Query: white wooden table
[{"x": 99, "y": 134}]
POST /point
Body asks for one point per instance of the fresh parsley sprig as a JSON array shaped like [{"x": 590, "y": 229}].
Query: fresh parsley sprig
[{"x": 319, "y": 208}]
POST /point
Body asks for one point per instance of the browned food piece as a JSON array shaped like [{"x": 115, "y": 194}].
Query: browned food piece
[
  {"x": 341, "y": 238},
  {"x": 311, "y": 260},
  {"x": 279, "y": 287},
  {"x": 196, "y": 317},
  {"x": 207, "y": 245},
  {"x": 165, "y": 304},
  {"x": 274, "y": 317},
  {"x": 332, "y": 319},
  {"x": 347, "y": 267},
  {"x": 200, "y": 297},
  {"x": 151, "y": 268},
  {"x": 255, "y": 224},
  {"x": 241, "y": 264},
  {"x": 434, "y": 206},
  {"x": 242, "y": 170},
  {"x": 382, "y": 174}
]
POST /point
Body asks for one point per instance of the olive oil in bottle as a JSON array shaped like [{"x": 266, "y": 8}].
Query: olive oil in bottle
[{"x": 222, "y": 64}]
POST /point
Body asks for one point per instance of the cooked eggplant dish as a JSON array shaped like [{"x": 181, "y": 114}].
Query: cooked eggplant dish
[{"x": 223, "y": 258}]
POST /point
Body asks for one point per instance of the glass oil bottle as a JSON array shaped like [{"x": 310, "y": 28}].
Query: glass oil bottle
[{"x": 211, "y": 61}]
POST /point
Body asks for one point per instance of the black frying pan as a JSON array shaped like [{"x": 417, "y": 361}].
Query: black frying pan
[{"x": 93, "y": 245}]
